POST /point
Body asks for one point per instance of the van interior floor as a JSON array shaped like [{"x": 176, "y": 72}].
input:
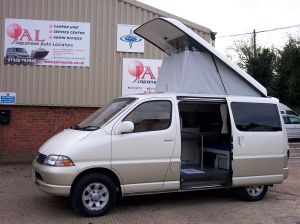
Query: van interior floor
[{"x": 194, "y": 176}]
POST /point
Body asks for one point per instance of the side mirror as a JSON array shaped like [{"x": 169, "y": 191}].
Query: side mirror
[{"x": 125, "y": 127}]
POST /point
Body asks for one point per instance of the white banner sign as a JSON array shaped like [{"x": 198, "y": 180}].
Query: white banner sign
[
  {"x": 139, "y": 75},
  {"x": 127, "y": 41},
  {"x": 43, "y": 42}
]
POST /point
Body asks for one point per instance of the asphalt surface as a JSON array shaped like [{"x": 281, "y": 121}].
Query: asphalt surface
[{"x": 22, "y": 202}]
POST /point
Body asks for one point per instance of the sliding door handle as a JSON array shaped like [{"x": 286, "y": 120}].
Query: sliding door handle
[
  {"x": 168, "y": 139},
  {"x": 241, "y": 141}
]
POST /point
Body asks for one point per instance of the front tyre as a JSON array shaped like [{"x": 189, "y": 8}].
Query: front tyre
[
  {"x": 93, "y": 195},
  {"x": 252, "y": 193}
]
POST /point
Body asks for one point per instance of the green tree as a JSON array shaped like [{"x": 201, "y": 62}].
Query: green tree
[
  {"x": 260, "y": 65},
  {"x": 287, "y": 82}
]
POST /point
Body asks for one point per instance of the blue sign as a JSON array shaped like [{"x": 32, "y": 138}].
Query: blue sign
[
  {"x": 7, "y": 98},
  {"x": 127, "y": 40},
  {"x": 130, "y": 38}
]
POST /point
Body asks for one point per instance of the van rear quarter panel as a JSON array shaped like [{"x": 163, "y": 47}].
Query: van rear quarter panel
[{"x": 262, "y": 154}]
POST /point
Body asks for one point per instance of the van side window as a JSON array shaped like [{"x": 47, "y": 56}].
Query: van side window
[
  {"x": 151, "y": 116},
  {"x": 256, "y": 116}
]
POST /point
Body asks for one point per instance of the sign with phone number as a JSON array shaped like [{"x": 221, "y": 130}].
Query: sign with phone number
[{"x": 43, "y": 42}]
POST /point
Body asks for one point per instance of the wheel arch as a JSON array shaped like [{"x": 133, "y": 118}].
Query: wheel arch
[{"x": 109, "y": 173}]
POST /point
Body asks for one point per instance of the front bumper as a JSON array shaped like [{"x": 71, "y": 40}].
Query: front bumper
[{"x": 53, "y": 180}]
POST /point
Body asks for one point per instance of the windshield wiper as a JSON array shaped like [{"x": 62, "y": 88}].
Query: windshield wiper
[
  {"x": 76, "y": 127},
  {"x": 90, "y": 128}
]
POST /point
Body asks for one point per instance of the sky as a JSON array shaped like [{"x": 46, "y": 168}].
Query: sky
[{"x": 227, "y": 17}]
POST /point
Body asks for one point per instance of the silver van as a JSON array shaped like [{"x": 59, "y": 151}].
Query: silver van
[
  {"x": 168, "y": 142},
  {"x": 292, "y": 125},
  {"x": 285, "y": 110},
  {"x": 16, "y": 52}
]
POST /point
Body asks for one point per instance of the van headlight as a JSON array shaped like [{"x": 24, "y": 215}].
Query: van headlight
[{"x": 56, "y": 160}]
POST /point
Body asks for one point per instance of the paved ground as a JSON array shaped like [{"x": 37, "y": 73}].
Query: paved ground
[{"x": 21, "y": 202}]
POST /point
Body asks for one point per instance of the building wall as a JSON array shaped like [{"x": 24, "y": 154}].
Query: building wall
[
  {"x": 51, "y": 98},
  {"x": 31, "y": 126},
  {"x": 78, "y": 86}
]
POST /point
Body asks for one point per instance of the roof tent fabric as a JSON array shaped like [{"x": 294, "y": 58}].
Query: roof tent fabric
[
  {"x": 200, "y": 72},
  {"x": 234, "y": 84},
  {"x": 201, "y": 69},
  {"x": 189, "y": 72}
]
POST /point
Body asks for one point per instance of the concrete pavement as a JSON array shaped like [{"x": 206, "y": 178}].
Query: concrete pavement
[{"x": 22, "y": 202}]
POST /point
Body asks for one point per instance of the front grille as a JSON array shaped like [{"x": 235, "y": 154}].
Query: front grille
[{"x": 41, "y": 158}]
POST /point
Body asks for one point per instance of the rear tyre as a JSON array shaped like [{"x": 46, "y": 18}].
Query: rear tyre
[
  {"x": 93, "y": 195},
  {"x": 252, "y": 193}
]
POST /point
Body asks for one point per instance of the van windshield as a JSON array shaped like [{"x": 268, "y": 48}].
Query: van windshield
[{"x": 102, "y": 115}]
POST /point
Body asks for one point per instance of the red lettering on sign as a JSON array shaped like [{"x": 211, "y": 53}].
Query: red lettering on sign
[
  {"x": 25, "y": 34},
  {"x": 148, "y": 72},
  {"x": 37, "y": 36}
]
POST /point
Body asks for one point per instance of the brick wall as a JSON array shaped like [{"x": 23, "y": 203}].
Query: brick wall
[{"x": 31, "y": 126}]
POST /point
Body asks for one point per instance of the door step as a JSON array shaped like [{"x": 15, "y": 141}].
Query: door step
[
  {"x": 202, "y": 187},
  {"x": 197, "y": 178},
  {"x": 203, "y": 184}
]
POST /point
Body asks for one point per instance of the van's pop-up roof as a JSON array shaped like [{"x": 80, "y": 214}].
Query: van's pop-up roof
[{"x": 193, "y": 65}]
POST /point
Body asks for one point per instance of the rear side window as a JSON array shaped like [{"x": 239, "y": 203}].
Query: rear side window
[
  {"x": 256, "y": 116},
  {"x": 151, "y": 116}
]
